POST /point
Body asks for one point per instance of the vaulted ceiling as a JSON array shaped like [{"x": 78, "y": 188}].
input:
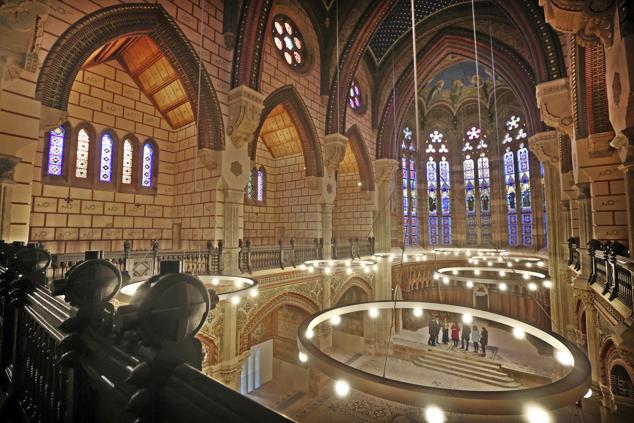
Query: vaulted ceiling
[
  {"x": 280, "y": 134},
  {"x": 153, "y": 73}
]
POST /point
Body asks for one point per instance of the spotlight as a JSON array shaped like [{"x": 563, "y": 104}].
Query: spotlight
[
  {"x": 532, "y": 286},
  {"x": 540, "y": 263},
  {"x": 436, "y": 276},
  {"x": 476, "y": 261},
  {"x": 502, "y": 286},
  {"x": 467, "y": 318},
  {"x": 342, "y": 388},
  {"x": 588, "y": 394},
  {"x": 517, "y": 260},
  {"x": 509, "y": 264},
  {"x": 366, "y": 269},
  {"x": 445, "y": 280},
  {"x": 375, "y": 267},
  {"x": 311, "y": 269},
  {"x": 434, "y": 414},
  {"x": 565, "y": 358},
  {"x": 302, "y": 267},
  {"x": 547, "y": 284},
  {"x": 502, "y": 273},
  {"x": 238, "y": 284},
  {"x": 303, "y": 357},
  {"x": 536, "y": 414},
  {"x": 519, "y": 333},
  {"x": 328, "y": 270},
  {"x": 335, "y": 320},
  {"x": 348, "y": 271},
  {"x": 455, "y": 272},
  {"x": 253, "y": 293},
  {"x": 489, "y": 263},
  {"x": 476, "y": 272},
  {"x": 499, "y": 259},
  {"x": 215, "y": 281},
  {"x": 418, "y": 312},
  {"x": 310, "y": 333},
  {"x": 470, "y": 261},
  {"x": 526, "y": 276},
  {"x": 374, "y": 313},
  {"x": 469, "y": 284},
  {"x": 529, "y": 264},
  {"x": 235, "y": 300}
]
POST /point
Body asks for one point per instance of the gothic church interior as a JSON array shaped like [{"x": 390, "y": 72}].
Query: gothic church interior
[{"x": 316, "y": 211}]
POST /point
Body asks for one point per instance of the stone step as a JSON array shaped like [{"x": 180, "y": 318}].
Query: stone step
[
  {"x": 466, "y": 357},
  {"x": 482, "y": 375}
]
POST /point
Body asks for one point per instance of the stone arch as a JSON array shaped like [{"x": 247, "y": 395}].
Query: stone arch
[
  {"x": 288, "y": 298},
  {"x": 298, "y": 112},
  {"x": 354, "y": 281},
  {"x": 609, "y": 357},
  {"x": 362, "y": 156},
  {"x": 75, "y": 45}
]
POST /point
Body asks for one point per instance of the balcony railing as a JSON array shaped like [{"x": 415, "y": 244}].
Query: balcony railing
[
  {"x": 141, "y": 264},
  {"x": 611, "y": 270},
  {"x": 81, "y": 360},
  {"x": 281, "y": 256}
]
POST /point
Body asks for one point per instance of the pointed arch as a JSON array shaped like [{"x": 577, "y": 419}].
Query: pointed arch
[
  {"x": 75, "y": 45},
  {"x": 362, "y": 156},
  {"x": 298, "y": 112},
  {"x": 354, "y": 281}
]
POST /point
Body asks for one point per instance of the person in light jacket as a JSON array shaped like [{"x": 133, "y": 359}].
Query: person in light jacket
[{"x": 475, "y": 337}]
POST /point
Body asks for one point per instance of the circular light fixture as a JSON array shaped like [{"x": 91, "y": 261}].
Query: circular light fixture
[
  {"x": 519, "y": 333},
  {"x": 526, "y": 276},
  {"x": 547, "y": 284},
  {"x": 373, "y": 313},
  {"x": 303, "y": 357},
  {"x": 502, "y": 273},
  {"x": 342, "y": 388},
  {"x": 454, "y": 272},
  {"x": 469, "y": 284},
  {"x": 476, "y": 272},
  {"x": 335, "y": 320},
  {"x": 532, "y": 286},
  {"x": 235, "y": 300},
  {"x": 467, "y": 318},
  {"x": 502, "y": 286},
  {"x": 536, "y": 414},
  {"x": 418, "y": 312},
  {"x": 434, "y": 414},
  {"x": 310, "y": 334},
  {"x": 588, "y": 394},
  {"x": 348, "y": 271},
  {"x": 215, "y": 281},
  {"x": 445, "y": 280}
]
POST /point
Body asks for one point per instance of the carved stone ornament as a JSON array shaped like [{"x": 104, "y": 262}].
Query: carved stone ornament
[
  {"x": 545, "y": 147},
  {"x": 624, "y": 143},
  {"x": 385, "y": 169},
  {"x": 590, "y": 20},
  {"x": 245, "y": 108},
  {"x": 335, "y": 151},
  {"x": 236, "y": 168},
  {"x": 7, "y": 168},
  {"x": 21, "y": 30},
  {"x": 599, "y": 144},
  {"x": 209, "y": 158},
  {"x": 553, "y": 100}
]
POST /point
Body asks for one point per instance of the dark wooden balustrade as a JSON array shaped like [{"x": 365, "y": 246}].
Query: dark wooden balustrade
[
  {"x": 254, "y": 258},
  {"x": 611, "y": 270},
  {"x": 78, "y": 359}
]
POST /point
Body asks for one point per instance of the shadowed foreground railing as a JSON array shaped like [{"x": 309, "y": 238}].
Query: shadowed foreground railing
[
  {"x": 81, "y": 360},
  {"x": 611, "y": 271},
  {"x": 142, "y": 264}
]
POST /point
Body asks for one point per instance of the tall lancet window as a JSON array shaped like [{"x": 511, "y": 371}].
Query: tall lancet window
[
  {"x": 477, "y": 186},
  {"x": 56, "y": 152},
  {"x": 517, "y": 180},
  {"x": 410, "y": 199},
  {"x": 543, "y": 183},
  {"x": 438, "y": 189},
  {"x": 105, "y": 158},
  {"x": 83, "y": 149}
]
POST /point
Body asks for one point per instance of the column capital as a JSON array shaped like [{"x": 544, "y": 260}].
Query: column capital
[
  {"x": 591, "y": 21},
  {"x": 245, "y": 108},
  {"x": 545, "y": 146},
  {"x": 385, "y": 169},
  {"x": 553, "y": 100},
  {"x": 335, "y": 150}
]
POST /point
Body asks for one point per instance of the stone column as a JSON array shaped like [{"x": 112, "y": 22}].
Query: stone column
[
  {"x": 326, "y": 226},
  {"x": 7, "y": 170},
  {"x": 592, "y": 340},
  {"x": 233, "y": 200},
  {"x": 229, "y": 368},
  {"x": 384, "y": 170}
]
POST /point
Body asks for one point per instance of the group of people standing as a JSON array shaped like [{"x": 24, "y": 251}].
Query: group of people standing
[{"x": 467, "y": 334}]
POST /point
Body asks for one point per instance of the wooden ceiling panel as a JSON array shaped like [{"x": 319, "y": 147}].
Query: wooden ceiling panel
[
  {"x": 279, "y": 133},
  {"x": 152, "y": 72}
]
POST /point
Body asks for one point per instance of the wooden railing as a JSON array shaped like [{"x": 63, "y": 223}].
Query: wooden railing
[
  {"x": 141, "y": 264},
  {"x": 611, "y": 270},
  {"x": 81, "y": 360}
]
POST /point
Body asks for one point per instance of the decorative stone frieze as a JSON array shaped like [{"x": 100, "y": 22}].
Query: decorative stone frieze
[
  {"x": 545, "y": 146},
  {"x": 21, "y": 30},
  {"x": 335, "y": 149},
  {"x": 245, "y": 108},
  {"x": 553, "y": 100},
  {"x": 590, "y": 20}
]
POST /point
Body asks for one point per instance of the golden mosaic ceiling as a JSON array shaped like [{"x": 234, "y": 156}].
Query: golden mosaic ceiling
[
  {"x": 154, "y": 74},
  {"x": 349, "y": 162},
  {"x": 279, "y": 133}
]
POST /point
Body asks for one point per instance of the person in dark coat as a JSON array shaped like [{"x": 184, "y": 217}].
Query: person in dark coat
[
  {"x": 466, "y": 334},
  {"x": 437, "y": 328},
  {"x": 484, "y": 340},
  {"x": 445, "y": 331},
  {"x": 432, "y": 325},
  {"x": 455, "y": 334}
]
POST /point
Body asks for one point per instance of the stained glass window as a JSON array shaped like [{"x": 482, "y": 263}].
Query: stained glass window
[
  {"x": 147, "y": 160},
  {"x": 438, "y": 189},
  {"x": 128, "y": 162},
  {"x": 288, "y": 41},
  {"x": 83, "y": 150},
  {"x": 543, "y": 182},
  {"x": 477, "y": 187},
  {"x": 410, "y": 198},
  {"x": 250, "y": 189},
  {"x": 261, "y": 177},
  {"x": 105, "y": 162},
  {"x": 56, "y": 152},
  {"x": 517, "y": 183},
  {"x": 354, "y": 97}
]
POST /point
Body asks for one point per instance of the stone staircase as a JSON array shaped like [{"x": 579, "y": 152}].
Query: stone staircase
[{"x": 462, "y": 365}]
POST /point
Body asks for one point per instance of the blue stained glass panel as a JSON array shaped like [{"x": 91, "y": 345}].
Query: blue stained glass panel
[
  {"x": 105, "y": 169},
  {"x": 56, "y": 152},
  {"x": 148, "y": 157}
]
